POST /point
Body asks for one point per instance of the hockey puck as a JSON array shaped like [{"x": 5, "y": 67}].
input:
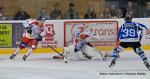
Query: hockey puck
[{"x": 66, "y": 62}]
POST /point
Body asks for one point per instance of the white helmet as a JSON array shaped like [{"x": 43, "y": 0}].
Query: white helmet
[{"x": 28, "y": 22}]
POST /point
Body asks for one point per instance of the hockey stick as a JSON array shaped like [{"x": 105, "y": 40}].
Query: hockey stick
[{"x": 61, "y": 54}]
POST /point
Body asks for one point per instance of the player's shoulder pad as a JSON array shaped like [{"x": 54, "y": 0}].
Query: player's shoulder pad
[{"x": 141, "y": 25}]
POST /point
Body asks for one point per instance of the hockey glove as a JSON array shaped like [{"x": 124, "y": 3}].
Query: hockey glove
[
  {"x": 29, "y": 31},
  {"x": 39, "y": 38}
]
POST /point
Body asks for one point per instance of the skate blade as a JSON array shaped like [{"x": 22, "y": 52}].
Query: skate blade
[{"x": 111, "y": 65}]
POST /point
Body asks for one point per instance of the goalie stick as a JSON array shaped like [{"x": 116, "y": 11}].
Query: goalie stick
[{"x": 103, "y": 58}]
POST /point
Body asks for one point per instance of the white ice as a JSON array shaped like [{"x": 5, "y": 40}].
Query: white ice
[{"x": 42, "y": 66}]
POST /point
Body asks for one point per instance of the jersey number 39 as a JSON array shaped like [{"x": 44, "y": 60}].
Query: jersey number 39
[{"x": 129, "y": 33}]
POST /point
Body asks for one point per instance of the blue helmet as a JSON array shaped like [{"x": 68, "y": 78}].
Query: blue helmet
[
  {"x": 128, "y": 18},
  {"x": 77, "y": 33},
  {"x": 41, "y": 19}
]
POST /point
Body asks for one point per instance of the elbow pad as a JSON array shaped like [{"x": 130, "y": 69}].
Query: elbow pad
[{"x": 43, "y": 34}]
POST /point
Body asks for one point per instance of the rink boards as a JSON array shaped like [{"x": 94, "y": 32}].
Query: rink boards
[
  {"x": 49, "y": 50},
  {"x": 56, "y": 30}
]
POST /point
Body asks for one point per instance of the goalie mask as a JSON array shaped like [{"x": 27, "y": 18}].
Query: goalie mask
[{"x": 77, "y": 33}]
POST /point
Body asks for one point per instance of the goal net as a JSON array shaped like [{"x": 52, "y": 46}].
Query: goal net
[{"x": 105, "y": 30}]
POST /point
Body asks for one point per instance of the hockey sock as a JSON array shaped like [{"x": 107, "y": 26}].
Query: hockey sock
[
  {"x": 116, "y": 51},
  {"x": 143, "y": 57},
  {"x": 29, "y": 52},
  {"x": 140, "y": 52},
  {"x": 17, "y": 51}
]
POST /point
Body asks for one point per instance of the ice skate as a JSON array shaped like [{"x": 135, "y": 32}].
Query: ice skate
[
  {"x": 12, "y": 56},
  {"x": 113, "y": 62},
  {"x": 106, "y": 56},
  {"x": 24, "y": 57},
  {"x": 147, "y": 66}
]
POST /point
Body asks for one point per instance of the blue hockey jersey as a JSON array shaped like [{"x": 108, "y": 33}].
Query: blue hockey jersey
[{"x": 131, "y": 32}]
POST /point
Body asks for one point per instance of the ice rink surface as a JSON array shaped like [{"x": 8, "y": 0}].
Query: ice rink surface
[{"x": 42, "y": 66}]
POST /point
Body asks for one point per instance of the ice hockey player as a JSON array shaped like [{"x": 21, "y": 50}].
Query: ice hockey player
[
  {"x": 34, "y": 31},
  {"x": 130, "y": 35},
  {"x": 81, "y": 39}
]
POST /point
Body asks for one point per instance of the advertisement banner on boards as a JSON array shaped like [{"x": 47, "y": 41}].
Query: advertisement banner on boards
[
  {"x": 56, "y": 27},
  {"x": 106, "y": 31},
  {"x": 5, "y": 35},
  {"x": 48, "y": 40},
  {"x": 18, "y": 30}
]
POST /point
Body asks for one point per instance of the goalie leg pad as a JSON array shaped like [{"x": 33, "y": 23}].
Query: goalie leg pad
[
  {"x": 89, "y": 44},
  {"x": 67, "y": 53},
  {"x": 72, "y": 53}
]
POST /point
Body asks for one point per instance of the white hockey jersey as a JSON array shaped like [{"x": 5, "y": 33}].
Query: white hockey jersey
[{"x": 36, "y": 30}]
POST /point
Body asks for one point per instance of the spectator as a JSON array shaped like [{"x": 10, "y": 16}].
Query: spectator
[
  {"x": 43, "y": 14},
  {"x": 120, "y": 13},
  {"x": 123, "y": 12},
  {"x": 106, "y": 13},
  {"x": 56, "y": 13},
  {"x": 71, "y": 13},
  {"x": 90, "y": 13},
  {"x": 131, "y": 10},
  {"x": 113, "y": 11},
  {"x": 2, "y": 16},
  {"x": 146, "y": 13},
  {"x": 21, "y": 15}
]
